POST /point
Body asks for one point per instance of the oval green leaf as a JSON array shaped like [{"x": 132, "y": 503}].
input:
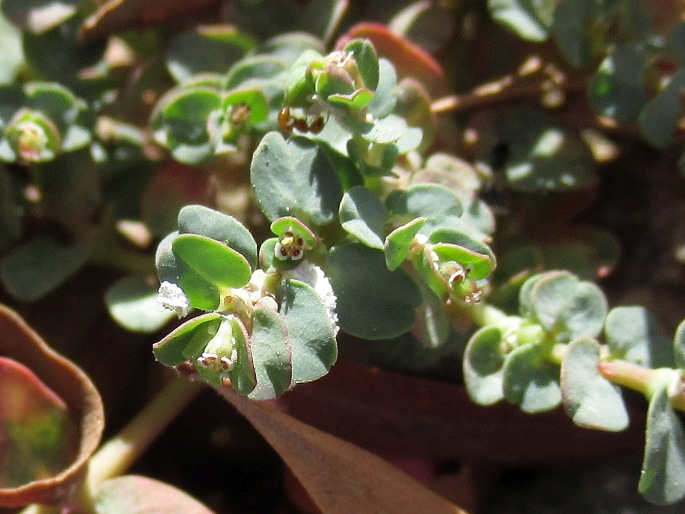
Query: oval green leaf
[
  {"x": 271, "y": 354},
  {"x": 314, "y": 348},
  {"x": 398, "y": 242},
  {"x": 589, "y": 398},
  {"x": 132, "y": 302},
  {"x": 194, "y": 334},
  {"x": 483, "y": 366},
  {"x": 212, "y": 260},
  {"x": 373, "y": 302},
  {"x": 362, "y": 214},
  {"x": 530, "y": 380},
  {"x": 634, "y": 334}
]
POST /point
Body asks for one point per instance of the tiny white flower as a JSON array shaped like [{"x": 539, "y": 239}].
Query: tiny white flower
[
  {"x": 314, "y": 276},
  {"x": 172, "y": 297}
]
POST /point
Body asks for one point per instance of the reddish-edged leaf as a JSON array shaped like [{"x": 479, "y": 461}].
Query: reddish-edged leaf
[
  {"x": 339, "y": 476},
  {"x": 141, "y": 495},
  {"x": 78, "y": 394}
]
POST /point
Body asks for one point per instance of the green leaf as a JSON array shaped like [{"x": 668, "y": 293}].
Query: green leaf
[
  {"x": 568, "y": 307},
  {"x": 314, "y": 349},
  {"x": 201, "y": 293},
  {"x": 432, "y": 327},
  {"x": 618, "y": 89},
  {"x": 213, "y": 261},
  {"x": 572, "y": 21},
  {"x": 289, "y": 224},
  {"x": 679, "y": 345},
  {"x": 659, "y": 117},
  {"x": 203, "y": 221},
  {"x": 132, "y": 302},
  {"x": 529, "y": 19},
  {"x": 663, "y": 467},
  {"x": 253, "y": 98},
  {"x": 11, "y": 55},
  {"x": 589, "y": 398},
  {"x": 188, "y": 340},
  {"x": 454, "y": 245},
  {"x": 398, "y": 242},
  {"x": 634, "y": 334},
  {"x": 438, "y": 204},
  {"x": 142, "y": 495},
  {"x": 206, "y": 49},
  {"x": 361, "y": 279},
  {"x": 385, "y": 99},
  {"x": 295, "y": 178},
  {"x": 32, "y": 270},
  {"x": 253, "y": 70},
  {"x": 181, "y": 123},
  {"x": 484, "y": 366},
  {"x": 530, "y": 380},
  {"x": 271, "y": 354},
  {"x": 362, "y": 215},
  {"x": 367, "y": 60},
  {"x": 243, "y": 376}
]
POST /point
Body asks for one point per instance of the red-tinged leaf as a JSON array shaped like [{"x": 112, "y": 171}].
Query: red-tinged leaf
[
  {"x": 409, "y": 59},
  {"x": 339, "y": 476},
  {"x": 141, "y": 495},
  {"x": 20, "y": 343},
  {"x": 38, "y": 436},
  {"x": 392, "y": 413}
]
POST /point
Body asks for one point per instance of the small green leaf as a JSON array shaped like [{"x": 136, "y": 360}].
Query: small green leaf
[
  {"x": 314, "y": 349},
  {"x": 529, "y": 19},
  {"x": 289, "y": 224},
  {"x": 438, "y": 204},
  {"x": 467, "y": 251},
  {"x": 195, "y": 333},
  {"x": 589, "y": 398},
  {"x": 132, "y": 302},
  {"x": 201, "y": 293},
  {"x": 618, "y": 89},
  {"x": 568, "y": 307},
  {"x": 254, "y": 99},
  {"x": 32, "y": 270},
  {"x": 484, "y": 365},
  {"x": 432, "y": 327},
  {"x": 634, "y": 334},
  {"x": 659, "y": 117},
  {"x": 398, "y": 242},
  {"x": 212, "y": 260},
  {"x": 206, "y": 49},
  {"x": 243, "y": 376},
  {"x": 181, "y": 123},
  {"x": 385, "y": 99},
  {"x": 572, "y": 21},
  {"x": 253, "y": 70},
  {"x": 295, "y": 178},
  {"x": 203, "y": 221},
  {"x": 361, "y": 279},
  {"x": 271, "y": 354},
  {"x": 362, "y": 214},
  {"x": 530, "y": 380},
  {"x": 663, "y": 467},
  {"x": 367, "y": 61}
]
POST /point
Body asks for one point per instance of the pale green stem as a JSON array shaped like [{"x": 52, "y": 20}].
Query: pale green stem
[
  {"x": 641, "y": 379},
  {"x": 483, "y": 314},
  {"x": 116, "y": 455}
]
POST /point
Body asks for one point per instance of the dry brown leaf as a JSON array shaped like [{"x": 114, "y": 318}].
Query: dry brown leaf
[{"x": 339, "y": 476}]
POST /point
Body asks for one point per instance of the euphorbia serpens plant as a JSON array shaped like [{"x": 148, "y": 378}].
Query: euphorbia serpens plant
[{"x": 309, "y": 182}]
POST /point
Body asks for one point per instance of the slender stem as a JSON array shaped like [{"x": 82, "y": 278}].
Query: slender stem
[
  {"x": 483, "y": 314},
  {"x": 337, "y": 15},
  {"x": 117, "y": 454}
]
